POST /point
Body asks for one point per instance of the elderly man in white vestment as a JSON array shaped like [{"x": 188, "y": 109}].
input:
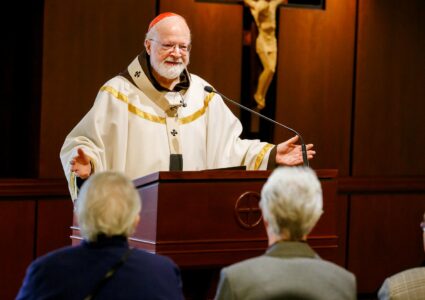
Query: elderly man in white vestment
[{"x": 156, "y": 116}]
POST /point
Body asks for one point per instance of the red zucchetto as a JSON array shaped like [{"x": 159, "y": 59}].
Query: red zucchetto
[{"x": 161, "y": 17}]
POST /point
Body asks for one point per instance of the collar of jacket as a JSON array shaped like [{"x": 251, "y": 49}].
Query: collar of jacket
[
  {"x": 107, "y": 241},
  {"x": 288, "y": 249}
]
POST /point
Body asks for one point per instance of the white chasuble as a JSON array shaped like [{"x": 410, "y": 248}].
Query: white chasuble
[{"x": 132, "y": 130}]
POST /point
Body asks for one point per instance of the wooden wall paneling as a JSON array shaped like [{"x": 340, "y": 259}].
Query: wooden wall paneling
[
  {"x": 390, "y": 89},
  {"x": 29, "y": 223},
  {"x": 85, "y": 44},
  {"x": 314, "y": 79},
  {"x": 54, "y": 221},
  {"x": 334, "y": 205},
  {"x": 17, "y": 228},
  {"x": 384, "y": 236},
  {"x": 216, "y": 54}
]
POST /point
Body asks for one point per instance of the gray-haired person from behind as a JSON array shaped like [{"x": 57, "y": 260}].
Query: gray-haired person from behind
[
  {"x": 109, "y": 205},
  {"x": 291, "y": 205},
  {"x": 103, "y": 266}
]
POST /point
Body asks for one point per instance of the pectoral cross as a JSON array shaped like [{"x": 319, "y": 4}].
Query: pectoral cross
[{"x": 261, "y": 92}]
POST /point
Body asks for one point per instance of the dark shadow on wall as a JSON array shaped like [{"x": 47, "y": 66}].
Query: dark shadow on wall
[{"x": 20, "y": 89}]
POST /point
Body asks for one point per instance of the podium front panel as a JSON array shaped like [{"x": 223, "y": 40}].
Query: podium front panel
[{"x": 212, "y": 218}]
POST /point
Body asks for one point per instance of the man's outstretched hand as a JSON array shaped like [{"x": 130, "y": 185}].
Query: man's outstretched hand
[
  {"x": 81, "y": 165},
  {"x": 290, "y": 154}
]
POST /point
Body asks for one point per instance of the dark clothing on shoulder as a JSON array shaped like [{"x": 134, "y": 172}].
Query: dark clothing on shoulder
[{"x": 74, "y": 272}]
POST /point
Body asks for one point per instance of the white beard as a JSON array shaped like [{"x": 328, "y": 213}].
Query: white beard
[{"x": 166, "y": 71}]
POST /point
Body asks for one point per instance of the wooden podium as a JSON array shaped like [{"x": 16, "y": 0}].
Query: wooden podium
[
  {"x": 212, "y": 218},
  {"x": 205, "y": 220}
]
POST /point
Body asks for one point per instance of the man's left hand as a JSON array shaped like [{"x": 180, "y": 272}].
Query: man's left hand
[{"x": 290, "y": 154}]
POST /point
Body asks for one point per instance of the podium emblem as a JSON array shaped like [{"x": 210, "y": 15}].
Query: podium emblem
[{"x": 247, "y": 211}]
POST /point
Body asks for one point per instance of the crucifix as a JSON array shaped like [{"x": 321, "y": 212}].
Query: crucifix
[{"x": 259, "y": 59}]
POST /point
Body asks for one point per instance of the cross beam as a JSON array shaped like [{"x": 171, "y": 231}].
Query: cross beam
[{"x": 296, "y": 3}]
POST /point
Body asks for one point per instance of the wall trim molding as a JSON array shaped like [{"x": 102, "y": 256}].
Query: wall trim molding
[
  {"x": 371, "y": 185},
  {"x": 33, "y": 187}
]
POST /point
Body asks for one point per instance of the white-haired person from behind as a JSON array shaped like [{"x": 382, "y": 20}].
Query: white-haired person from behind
[
  {"x": 103, "y": 266},
  {"x": 291, "y": 204}
]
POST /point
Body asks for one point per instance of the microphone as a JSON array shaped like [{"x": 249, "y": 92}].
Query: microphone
[{"x": 210, "y": 89}]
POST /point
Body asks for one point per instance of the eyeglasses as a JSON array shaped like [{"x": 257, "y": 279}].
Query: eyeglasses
[
  {"x": 423, "y": 225},
  {"x": 169, "y": 47}
]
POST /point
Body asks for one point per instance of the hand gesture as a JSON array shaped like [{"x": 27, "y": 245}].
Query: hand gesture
[
  {"x": 290, "y": 154},
  {"x": 81, "y": 165}
]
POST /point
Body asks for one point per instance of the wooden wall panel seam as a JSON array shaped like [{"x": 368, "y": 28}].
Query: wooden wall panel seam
[{"x": 353, "y": 185}]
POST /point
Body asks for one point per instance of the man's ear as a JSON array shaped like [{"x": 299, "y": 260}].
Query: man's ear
[
  {"x": 148, "y": 47},
  {"x": 136, "y": 221},
  {"x": 266, "y": 224}
]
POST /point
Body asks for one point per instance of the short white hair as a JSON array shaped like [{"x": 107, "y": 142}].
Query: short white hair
[
  {"x": 108, "y": 204},
  {"x": 291, "y": 200}
]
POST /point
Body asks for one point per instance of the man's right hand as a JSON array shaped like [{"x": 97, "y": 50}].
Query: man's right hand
[{"x": 81, "y": 165}]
